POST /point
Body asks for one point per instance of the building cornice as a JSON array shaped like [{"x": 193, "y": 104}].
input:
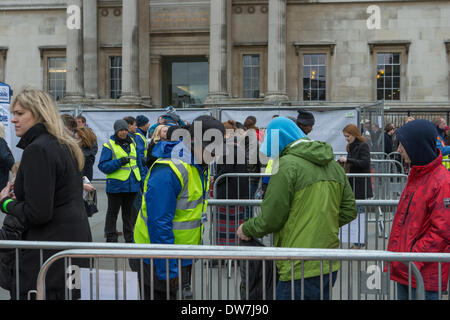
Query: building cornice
[
  {"x": 326, "y": 45},
  {"x": 43, "y": 49},
  {"x": 348, "y": 1},
  {"x": 389, "y": 43},
  {"x": 14, "y": 5}
]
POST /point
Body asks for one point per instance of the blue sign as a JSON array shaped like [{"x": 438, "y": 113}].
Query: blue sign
[{"x": 5, "y": 93}]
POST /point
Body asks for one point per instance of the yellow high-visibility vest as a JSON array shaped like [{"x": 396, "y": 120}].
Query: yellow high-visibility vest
[
  {"x": 446, "y": 164},
  {"x": 145, "y": 142},
  {"x": 123, "y": 173},
  {"x": 269, "y": 166},
  {"x": 191, "y": 203}
]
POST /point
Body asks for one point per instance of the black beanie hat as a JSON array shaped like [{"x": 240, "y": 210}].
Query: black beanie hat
[
  {"x": 305, "y": 118},
  {"x": 207, "y": 122}
]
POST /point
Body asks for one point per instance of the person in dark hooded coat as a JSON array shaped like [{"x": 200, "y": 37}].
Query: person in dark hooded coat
[{"x": 422, "y": 220}]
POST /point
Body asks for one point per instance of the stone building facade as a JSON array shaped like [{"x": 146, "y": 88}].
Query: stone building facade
[{"x": 153, "y": 53}]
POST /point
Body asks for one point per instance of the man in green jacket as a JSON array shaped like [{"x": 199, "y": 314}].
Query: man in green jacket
[{"x": 307, "y": 200}]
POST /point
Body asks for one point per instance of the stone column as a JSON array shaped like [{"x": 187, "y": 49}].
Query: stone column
[
  {"x": 218, "y": 51},
  {"x": 130, "y": 51},
  {"x": 144, "y": 52},
  {"x": 74, "y": 57},
  {"x": 156, "y": 72},
  {"x": 276, "y": 75},
  {"x": 90, "y": 48}
]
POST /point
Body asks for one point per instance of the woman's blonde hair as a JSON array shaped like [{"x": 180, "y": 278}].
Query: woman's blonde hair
[
  {"x": 156, "y": 137},
  {"x": 2, "y": 130},
  {"x": 44, "y": 110}
]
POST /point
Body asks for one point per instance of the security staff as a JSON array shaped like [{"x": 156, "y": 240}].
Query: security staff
[
  {"x": 176, "y": 186},
  {"x": 122, "y": 165},
  {"x": 143, "y": 124}
]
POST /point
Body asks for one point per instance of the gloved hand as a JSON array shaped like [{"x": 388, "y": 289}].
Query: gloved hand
[{"x": 124, "y": 161}]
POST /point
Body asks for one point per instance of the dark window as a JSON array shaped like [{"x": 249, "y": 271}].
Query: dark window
[
  {"x": 314, "y": 77},
  {"x": 115, "y": 76},
  {"x": 56, "y": 70},
  {"x": 388, "y": 76},
  {"x": 251, "y": 76},
  {"x": 185, "y": 81}
]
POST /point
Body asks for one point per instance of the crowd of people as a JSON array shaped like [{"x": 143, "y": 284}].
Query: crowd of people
[{"x": 158, "y": 176}]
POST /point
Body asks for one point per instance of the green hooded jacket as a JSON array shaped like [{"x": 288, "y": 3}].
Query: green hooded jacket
[{"x": 305, "y": 204}]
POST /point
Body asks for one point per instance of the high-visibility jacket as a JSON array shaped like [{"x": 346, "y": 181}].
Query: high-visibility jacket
[
  {"x": 446, "y": 163},
  {"x": 441, "y": 145},
  {"x": 144, "y": 139},
  {"x": 187, "y": 224},
  {"x": 269, "y": 166},
  {"x": 124, "y": 171}
]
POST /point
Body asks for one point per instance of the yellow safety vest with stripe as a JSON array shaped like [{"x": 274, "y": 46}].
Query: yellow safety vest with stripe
[
  {"x": 145, "y": 142},
  {"x": 445, "y": 163},
  {"x": 269, "y": 166},
  {"x": 123, "y": 173},
  {"x": 187, "y": 223}
]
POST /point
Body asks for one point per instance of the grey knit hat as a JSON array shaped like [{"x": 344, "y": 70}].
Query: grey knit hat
[{"x": 120, "y": 125}]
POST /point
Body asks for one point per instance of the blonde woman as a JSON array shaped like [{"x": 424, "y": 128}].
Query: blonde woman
[
  {"x": 48, "y": 190},
  {"x": 160, "y": 134}
]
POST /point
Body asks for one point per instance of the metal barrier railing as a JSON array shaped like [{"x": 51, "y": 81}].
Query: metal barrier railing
[
  {"x": 385, "y": 184},
  {"x": 226, "y": 217},
  {"x": 371, "y": 228},
  {"x": 387, "y": 166},
  {"x": 55, "y": 245},
  {"x": 357, "y": 269}
]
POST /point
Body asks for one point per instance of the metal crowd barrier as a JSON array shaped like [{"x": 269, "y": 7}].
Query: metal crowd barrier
[
  {"x": 387, "y": 166},
  {"x": 227, "y": 216},
  {"x": 364, "y": 275},
  {"x": 370, "y": 229},
  {"x": 55, "y": 245}
]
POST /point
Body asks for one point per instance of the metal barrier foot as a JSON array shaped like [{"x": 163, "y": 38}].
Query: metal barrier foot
[{"x": 187, "y": 292}]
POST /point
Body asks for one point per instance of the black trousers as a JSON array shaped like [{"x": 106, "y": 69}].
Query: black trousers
[
  {"x": 116, "y": 201},
  {"x": 159, "y": 286}
]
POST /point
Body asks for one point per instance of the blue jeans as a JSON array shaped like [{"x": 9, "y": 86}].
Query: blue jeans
[
  {"x": 310, "y": 285},
  {"x": 402, "y": 293}
]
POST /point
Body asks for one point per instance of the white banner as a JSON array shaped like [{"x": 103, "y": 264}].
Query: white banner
[
  {"x": 328, "y": 124},
  {"x": 102, "y": 122},
  {"x": 5, "y": 118}
]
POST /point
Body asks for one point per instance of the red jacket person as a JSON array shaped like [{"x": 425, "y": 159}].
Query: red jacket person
[{"x": 422, "y": 219}]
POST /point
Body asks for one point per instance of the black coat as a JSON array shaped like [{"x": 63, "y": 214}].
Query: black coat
[
  {"x": 388, "y": 144},
  {"x": 12, "y": 230},
  {"x": 89, "y": 159},
  {"x": 6, "y": 162},
  {"x": 358, "y": 161},
  {"x": 49, "y": 193},
  {"x": 233, "y": 188}
]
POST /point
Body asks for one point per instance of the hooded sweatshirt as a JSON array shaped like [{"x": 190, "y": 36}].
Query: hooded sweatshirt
[
  {"x": 306, "y": 202},
  {"x": 422, "y": 219},
  {"x": 280, "y": 132},
  {"x": 418, "y": 137}
]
